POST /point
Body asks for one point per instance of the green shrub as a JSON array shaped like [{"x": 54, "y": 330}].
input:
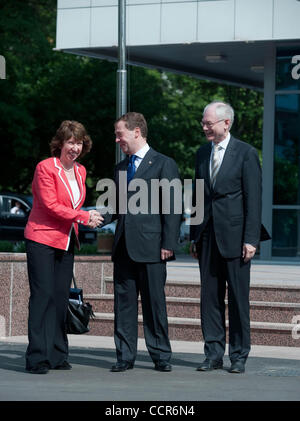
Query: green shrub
[
  {"x": 20, "y": 247},
  {"x": 87, "y": 249},
  {"x": 6, "y": 246},
  {"x": 11, "y": 247},
  {"x": 184, "y": 248}
]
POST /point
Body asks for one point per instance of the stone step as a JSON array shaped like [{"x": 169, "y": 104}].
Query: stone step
[
  {"x": 187, "y": 329},
  {"x": 258, "y": 292},
  {"x": 273, "y": 312},
  {"x": 172, "y": 289},
  {"x": 275, "y": 293},
  {"x": 190, "y": 308}
]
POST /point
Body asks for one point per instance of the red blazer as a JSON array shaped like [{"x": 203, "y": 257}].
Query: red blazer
[{"x": 54, "y": 212}]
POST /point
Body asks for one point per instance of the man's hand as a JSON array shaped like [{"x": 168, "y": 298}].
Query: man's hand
[
  {"x": 248, "y": 252},
  {"x": 193, "y": 251},
  {"x": 166, "y": 254},
  {"x": 95, "y": 219}
]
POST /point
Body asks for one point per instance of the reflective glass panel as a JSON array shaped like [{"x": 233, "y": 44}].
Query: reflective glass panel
[
  {"x": 287, "y": 150},
  {"x": 288, "y": 70},
  {"x": 286, "y": 233}
]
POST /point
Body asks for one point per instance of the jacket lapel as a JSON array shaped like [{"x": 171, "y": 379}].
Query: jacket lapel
[
  {"x": 206, "y": 163},
  {"x": 65, "y": 182},
  {"x": 146, "y": 163},
  {"x": 80, "y": 184},
  {"x": 203, "y": 164},
  {"x": 122, "y": 166}
]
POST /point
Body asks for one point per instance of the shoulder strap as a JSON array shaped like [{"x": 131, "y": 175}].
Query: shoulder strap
[{"x": 74, "y": 281}]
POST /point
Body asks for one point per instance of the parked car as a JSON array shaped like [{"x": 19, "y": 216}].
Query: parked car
[
  {"x": 12, "y": 220},
  {"x": 90, "y": 233},
  {"x": 14, "y": 212}
]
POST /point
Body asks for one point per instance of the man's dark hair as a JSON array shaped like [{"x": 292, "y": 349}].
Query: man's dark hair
[{"x": 133, "y": 120}]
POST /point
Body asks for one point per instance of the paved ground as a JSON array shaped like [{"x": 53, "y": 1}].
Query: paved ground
[
  {"x": 272, "y": 373},
  {"x": 275, "y": 273}
]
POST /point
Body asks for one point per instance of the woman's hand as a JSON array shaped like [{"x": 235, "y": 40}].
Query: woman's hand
[{"x": 95, "y": 219}]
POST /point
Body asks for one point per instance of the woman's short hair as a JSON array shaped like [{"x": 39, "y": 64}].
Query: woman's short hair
[
  {"x": 133, "y": 120},
  {"x": 66, "y": 130}
]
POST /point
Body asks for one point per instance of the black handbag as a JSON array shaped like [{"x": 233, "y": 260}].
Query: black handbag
[{"x": 79, "y": 312}]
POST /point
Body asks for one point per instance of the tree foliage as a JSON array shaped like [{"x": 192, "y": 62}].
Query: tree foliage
[{"x": 44, "y": 87}]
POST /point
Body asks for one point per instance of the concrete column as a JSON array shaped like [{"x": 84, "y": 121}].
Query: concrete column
[{"x": 268, "y": 148}]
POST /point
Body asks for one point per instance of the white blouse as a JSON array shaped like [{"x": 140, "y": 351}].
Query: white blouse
[{"x": 75, "y": 190}]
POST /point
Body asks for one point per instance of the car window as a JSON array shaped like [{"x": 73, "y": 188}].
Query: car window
[
  {"x": 5, "y": 206},
  {"x": 13, "y": 207}
]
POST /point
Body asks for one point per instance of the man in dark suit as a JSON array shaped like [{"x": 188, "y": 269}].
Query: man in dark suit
[
  {"x": 227, "y": 239},
  {"x": 143, "y": 242}
]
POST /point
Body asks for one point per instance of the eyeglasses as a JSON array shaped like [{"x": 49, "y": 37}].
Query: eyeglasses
[{"x": 210, "y": 125}]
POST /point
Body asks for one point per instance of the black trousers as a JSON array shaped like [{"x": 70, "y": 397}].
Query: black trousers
[
  {"x": 148, "y": 279},
  {"x": 50, "y": 273},
  {"x": 215, "y": 272}
]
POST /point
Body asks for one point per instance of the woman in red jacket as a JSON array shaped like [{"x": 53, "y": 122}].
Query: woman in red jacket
[{"x": 58, "y": 190}]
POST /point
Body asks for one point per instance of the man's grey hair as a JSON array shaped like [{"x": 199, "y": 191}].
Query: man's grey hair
[{"x": 223, "y": 111}]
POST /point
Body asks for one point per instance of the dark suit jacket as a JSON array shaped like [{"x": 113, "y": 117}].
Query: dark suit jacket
[
  {"x": 235, "y": 202},
  {"x": 147, "y": 233}
]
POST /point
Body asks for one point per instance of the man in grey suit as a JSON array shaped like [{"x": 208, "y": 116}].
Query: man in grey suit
[
  {"x": 143, "y": 243},
  {"x": 227, "y": 239}
]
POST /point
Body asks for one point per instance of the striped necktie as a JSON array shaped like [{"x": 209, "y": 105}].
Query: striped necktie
[
  {"x": 131, "y": 168},
  {"x": 215, "y": 165}
]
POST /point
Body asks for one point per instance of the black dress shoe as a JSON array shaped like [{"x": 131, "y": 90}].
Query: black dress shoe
[
  {"x": 209, "y": 365},
  {"x": 163, "y": 366},
  {"x": 64, "y": 366},
  {"x": 41, "y": 368},
  {"x": 237, "y": 367},
  {"x": 122, "y": 366}
]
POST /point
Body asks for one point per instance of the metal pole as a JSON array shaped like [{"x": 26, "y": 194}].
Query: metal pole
[{"x": 121, "y": 72}]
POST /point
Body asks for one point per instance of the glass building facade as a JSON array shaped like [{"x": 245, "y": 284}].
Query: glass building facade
[{"x": 286, "y": 181}]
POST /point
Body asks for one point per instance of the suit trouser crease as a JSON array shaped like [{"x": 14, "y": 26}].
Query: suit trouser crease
[
  {"x": 239, "y": 309},
  {"x": 215, "y": 272},
  {"x": 148, "y": 279},
  {"x": 50, "y": 273}
]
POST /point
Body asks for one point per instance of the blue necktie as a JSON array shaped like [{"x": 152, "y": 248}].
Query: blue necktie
[{"x": 131, "y": 168}]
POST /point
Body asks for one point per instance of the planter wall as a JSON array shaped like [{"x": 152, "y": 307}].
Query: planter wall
[{"x": 90, "y": 273}]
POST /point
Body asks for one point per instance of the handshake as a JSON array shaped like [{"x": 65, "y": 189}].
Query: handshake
[{"x": 95, "y": 219}]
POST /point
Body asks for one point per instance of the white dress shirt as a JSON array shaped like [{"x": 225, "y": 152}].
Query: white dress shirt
[
  {"x": 140, "y": 155},
  {"x": 222, "y": 149}
]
